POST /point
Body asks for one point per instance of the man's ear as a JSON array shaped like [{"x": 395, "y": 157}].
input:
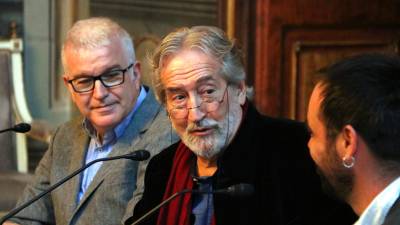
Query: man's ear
[
  {"x": 137, "y": 74},
  {"x": 65, "y": 79},
  {"x": 68, "y": 86},
  {"x": 348, "y": 142},
  {"x": 242, "y": 92}
]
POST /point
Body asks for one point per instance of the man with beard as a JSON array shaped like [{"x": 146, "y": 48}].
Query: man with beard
[
  {"x": 199, "y": 77},
  {"x": 354, "y": 118}
]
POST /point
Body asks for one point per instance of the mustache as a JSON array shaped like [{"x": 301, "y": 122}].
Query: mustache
[
  {"x": 202, "y": 124},
  {"x": 102, "y": 104}
]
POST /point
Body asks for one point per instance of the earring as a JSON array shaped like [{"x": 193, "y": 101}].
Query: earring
[{"x": 348, "y": 162}]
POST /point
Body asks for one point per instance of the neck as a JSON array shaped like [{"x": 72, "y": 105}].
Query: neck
[
  {"x": 365, "y": 190},
  {"x": 206, "y": 167},
  {"x": 100, "y": 134},
  {"x": 100, "y": 137}
]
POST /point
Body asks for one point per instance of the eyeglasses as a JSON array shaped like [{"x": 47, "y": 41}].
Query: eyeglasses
[
  {"x": 210, "y": 102},
  {"x": 109, "y": 79}
]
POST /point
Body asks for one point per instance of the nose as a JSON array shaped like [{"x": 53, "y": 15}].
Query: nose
[
  {"x": 99, "y": 91},
  {"x": 195, "y": 111},
  {"x": 195, "y": 114}
]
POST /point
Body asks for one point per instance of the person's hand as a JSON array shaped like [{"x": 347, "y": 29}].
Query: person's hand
[{"x": 10, "y": 223}]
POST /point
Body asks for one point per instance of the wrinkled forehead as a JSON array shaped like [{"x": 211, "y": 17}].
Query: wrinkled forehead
[{"x": 189, "y": 67}]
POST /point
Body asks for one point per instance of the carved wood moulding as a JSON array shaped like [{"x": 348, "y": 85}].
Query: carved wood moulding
[{"x": 191, "y": 8}]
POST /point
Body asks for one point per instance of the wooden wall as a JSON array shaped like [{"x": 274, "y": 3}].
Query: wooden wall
[{"x": 285, "y": 42}]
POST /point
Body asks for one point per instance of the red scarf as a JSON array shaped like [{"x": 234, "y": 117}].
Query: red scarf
[{"x": 178, "y": 211}]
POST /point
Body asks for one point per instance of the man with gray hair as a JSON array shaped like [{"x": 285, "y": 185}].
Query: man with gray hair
[
  {"x": 227, "y": 146},
  {"x": 119, "y": 116}
]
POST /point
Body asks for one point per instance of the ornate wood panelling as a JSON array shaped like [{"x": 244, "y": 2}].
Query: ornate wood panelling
[
  {"x": 308, "y": 51},
  {"x": 294, "y": 38},
  {"x": 193, "y": 8}
]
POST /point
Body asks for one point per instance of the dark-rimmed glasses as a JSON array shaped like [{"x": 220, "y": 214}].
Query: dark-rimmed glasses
[
  {"x": 209, "y": 103},
  {"x": 109, "y": 79}
]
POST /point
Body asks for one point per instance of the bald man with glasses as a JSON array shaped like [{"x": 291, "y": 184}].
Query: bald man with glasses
[{"x": 119, "y": 116}]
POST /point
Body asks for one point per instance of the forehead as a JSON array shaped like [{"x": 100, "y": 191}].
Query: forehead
[
  {"x": 315, "y": 99},
  {"x": 95, "y": 61},
  {"x": 313, "y": 114},
  {"x": 189, "y": 68}
]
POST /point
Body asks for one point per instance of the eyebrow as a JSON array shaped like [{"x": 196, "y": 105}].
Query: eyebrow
[
  {"x": 107, "y": 70},
  {"x": 205, "y": 79},
  {"x": 199, "y": 81},
  {"x": 174, "y": 89}
]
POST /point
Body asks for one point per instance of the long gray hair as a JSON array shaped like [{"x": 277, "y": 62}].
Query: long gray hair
[{"x": 208, "y": 39}]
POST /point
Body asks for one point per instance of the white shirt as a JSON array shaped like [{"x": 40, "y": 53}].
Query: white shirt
[{"x": 377, "y": 210}]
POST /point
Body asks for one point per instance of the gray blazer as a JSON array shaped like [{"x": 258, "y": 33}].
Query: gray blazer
[{"x": 105, "y": 201}]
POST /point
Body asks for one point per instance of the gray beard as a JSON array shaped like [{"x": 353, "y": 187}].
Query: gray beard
[{"x": 210, "y": 146}]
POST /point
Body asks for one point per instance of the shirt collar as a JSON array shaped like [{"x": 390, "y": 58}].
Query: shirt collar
[{"x": 377, "y": 210}]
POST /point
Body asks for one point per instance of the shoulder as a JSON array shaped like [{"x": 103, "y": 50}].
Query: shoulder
[
  {"x": 153, "y": 125},
  {"x": 156, "y": 178},
  {"x": 163, "y": 160},
  {"x": 150, "y": 99},
  {"x": 152, "y": 114},
  {"x": 276, "y": 128},
  {"x": 393, "y": 217},
  {"x": 285, "y": 125},
  {"x": 69, "y": 129},
  {"x": 67, "y": 137},
  {"x": 75, "y": 124},
  {"x": 159, "y": 167}
]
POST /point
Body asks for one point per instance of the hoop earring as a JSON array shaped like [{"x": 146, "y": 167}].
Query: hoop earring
[{"x": 348, "y": 162}]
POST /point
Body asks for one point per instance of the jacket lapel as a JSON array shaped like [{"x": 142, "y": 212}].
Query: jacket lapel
[
  {"x": 393, "y": 216},
  {"x": 78, "y": 151}
]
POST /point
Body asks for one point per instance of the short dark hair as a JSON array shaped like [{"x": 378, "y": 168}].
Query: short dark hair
[{"x": 364, "y": 92}]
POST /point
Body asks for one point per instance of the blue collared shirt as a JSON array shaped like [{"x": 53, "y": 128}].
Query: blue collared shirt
[{"x": 97, "y": 150}]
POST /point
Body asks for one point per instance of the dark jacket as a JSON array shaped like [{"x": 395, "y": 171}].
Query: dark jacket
[
  {"x": 272, "y": 155},
  {"x": 393, "y": 216}
]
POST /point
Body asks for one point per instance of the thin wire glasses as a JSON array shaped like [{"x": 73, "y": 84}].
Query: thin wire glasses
[
  {"x": 109, "y": 79},
  {"x": 210, "y": 102}
]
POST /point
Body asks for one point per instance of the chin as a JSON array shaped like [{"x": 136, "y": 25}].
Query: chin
[
  {"x": 206, "y": 147},
  {"x": 339, "y": 185},
  {"x": 209, "y": 153}
]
